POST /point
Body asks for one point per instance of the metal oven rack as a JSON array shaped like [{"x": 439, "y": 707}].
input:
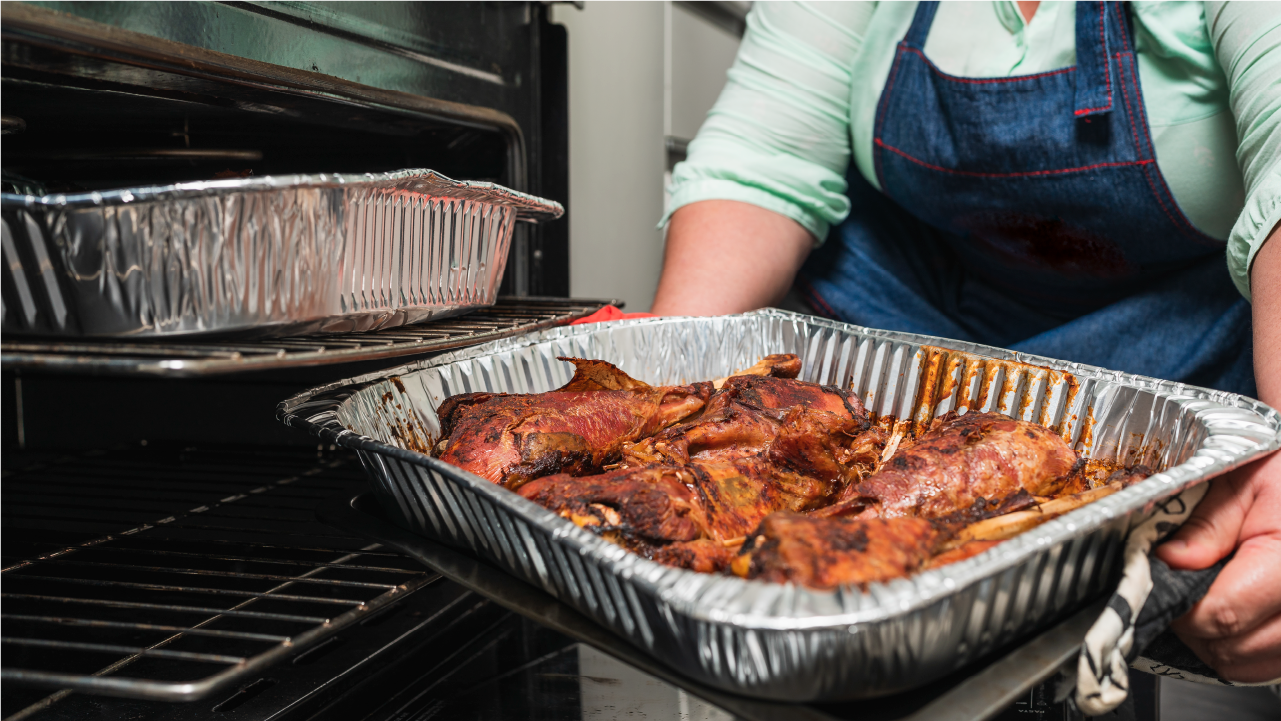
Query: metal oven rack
[
  {"x": 150, "y": 574},
  {"x": 173, "y": 575},
  {"x": 174, "y": 358}
]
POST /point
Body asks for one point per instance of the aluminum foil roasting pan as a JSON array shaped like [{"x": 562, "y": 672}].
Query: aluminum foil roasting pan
[
  {"x": 269, "y": 255},
  {"x": 779, "y": 641}
]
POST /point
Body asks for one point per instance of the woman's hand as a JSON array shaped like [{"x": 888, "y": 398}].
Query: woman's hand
[
  {"x": 1236, "y": 628},
  {"x": 724, "y": 256}
]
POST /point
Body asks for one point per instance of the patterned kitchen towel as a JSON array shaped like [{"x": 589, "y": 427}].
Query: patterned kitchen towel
[{"x": 1133, "y": 631}]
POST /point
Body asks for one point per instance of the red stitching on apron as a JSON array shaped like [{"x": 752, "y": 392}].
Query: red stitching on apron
[
  {"x": 1129, "y": 111},
  {"x": 1120, "y": 20},
  {"x": 1178, "y": 217},
  {"x": 880, "y": 113},
  {"x": 1134, "y": 126},
  {"x": 1027, "y": 173},
  {"x": 817, "y": 301}
]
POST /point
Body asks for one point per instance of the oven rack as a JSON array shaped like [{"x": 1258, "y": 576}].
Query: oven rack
[
  {"x": 171, "y": 575},
  {"x": 192, "y": 358}
]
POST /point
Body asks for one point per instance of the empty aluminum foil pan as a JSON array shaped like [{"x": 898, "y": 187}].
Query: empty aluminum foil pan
[
  {"x": 781, "y": 641},
  {"x": 270, "y": 255}
]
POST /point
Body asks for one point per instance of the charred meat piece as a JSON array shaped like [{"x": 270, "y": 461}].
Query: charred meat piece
[
  {"x": 764, "y": 444},
  {"x": 649, "y": 505},
  {"x": 720, "y": 501},
  {"x": 1090, "y": 474},
  {"x": 730, "y": 433},
  {"x": 968, "y": 549},
  {"x": 704, "y": 555},
  {"x": 735, "y": 497},
  {"x": 1127, "y": 476},
  {"x": 961, "y": 460},
  {"x": 820, "y": 444},
  {"x": 783, "y": 393},
  {"x": 1001, "y": 525},
  {"x": 824, "y": 553},
  {"x": 807, "y": 422},
  {"x": 577, "y": 429},
  {"x": 783, "y": 365}
]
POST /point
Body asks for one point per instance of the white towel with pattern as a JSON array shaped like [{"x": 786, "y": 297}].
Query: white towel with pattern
[{"x": 1133, "y": 631}]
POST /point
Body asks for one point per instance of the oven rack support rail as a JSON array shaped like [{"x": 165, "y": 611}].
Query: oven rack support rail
[{"x": 194, "y": 358}]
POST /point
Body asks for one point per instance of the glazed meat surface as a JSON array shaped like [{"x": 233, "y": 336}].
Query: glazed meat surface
[
  {"x": 577, "y": 429},
  {"x": 735, "y": 497},
  {"x": 721, "y": 502},
  {"x": 703, "y": 555},
  {"x": 963, "y": 459},
  {"x": 769, "y": 477},
  {"x": 823, "y": 553},
  {"x": 806, "y": 422},
  {"x": 762, "y": 444},
  {"x": 649, "y": 505}
]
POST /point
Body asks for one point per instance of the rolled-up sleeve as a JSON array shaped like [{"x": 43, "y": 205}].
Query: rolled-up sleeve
[
  {"x": 778, "y": 136},
  {"x": 1247, "y": 43}
]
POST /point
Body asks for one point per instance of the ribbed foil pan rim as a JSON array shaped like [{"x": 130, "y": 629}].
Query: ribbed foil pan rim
[
  {"x": 528, "y": 207},
  {"x": 687, "y": 592}
]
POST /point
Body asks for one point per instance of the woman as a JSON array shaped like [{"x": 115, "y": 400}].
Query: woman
[{"x": 1055, "y": 178}]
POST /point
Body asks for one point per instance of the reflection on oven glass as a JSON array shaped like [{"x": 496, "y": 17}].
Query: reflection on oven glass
[
  {"x": 519, "y": 670},
  {"x": 514, "y": 669},
  {"x": 613, "y": 690}
]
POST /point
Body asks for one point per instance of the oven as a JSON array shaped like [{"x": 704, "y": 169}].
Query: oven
[{"x": 171, "y": 551}]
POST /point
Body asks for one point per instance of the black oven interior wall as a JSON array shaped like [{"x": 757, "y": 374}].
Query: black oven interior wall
[
  {"x": 103, "y": 95},
  {"x": 186, "y": 492}
]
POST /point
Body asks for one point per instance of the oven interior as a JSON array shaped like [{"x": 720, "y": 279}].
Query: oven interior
[
  {"x": 137, "y": 140},
  {"x": 161, "y": 554}
]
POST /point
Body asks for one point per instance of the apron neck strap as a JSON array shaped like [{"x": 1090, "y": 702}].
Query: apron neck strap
[
  {"x": 921, "y": 24},
  {"x": 1100, "y": 32}
]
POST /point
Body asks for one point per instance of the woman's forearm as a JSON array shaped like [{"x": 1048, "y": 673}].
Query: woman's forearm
[
  {"x": 1265, "y": 289},
  {"x": 724, "y": 256},
  {"x": 1236, "y": 627}
]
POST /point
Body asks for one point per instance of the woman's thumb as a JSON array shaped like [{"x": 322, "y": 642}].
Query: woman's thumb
[{"x": 1211, "y": 532}]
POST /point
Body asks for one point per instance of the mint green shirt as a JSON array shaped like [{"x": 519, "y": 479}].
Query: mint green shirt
[{"x": 801, "y": 98}]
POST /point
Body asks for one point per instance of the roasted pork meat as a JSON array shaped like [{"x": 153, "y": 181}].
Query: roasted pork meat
[
  {"x": 782, "y": 365},
  {"x": 801, "y": 426},
  {"x": 651, "y": 505},
  {"x": 762, "y": 444},
  {"x": 824, "y": 553},
  {"x": 770, "y": 477},
  {"x": 734, "y": 497},
  {"x": 577, "y": 429},
  {"x": 721, "y": 502},
  {"x": 960, "y": 461},
  {"x": 703, "y": 555}
]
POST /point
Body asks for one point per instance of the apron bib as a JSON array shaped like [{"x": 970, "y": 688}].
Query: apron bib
[{"x": 1029, "y": 213}]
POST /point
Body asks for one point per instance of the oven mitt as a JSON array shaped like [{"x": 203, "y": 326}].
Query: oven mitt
[{"x": 1133, "y": 631}]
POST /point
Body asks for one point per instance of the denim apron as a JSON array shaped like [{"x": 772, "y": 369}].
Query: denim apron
[{"x": 1029, "y": 213}]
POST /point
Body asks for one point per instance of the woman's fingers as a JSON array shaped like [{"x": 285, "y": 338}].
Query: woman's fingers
[
  {"x": 1252, "y": 657},
  {"x": 1213, "y": 529},
  {"x": 1246, "y": 594},
  {"x": 1236, "y": 628}
]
